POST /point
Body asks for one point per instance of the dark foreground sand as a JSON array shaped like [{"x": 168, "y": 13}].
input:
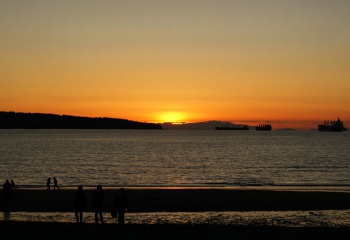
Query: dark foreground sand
[
  {"x": 174, "y": 200},
  {"x": 65, "y": 231}
]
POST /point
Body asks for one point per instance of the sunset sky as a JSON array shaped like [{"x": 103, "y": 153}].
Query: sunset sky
[{"x": 248, "y": 61}]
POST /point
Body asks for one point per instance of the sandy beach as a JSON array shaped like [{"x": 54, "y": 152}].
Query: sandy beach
[{"x": 161, "y": 213}]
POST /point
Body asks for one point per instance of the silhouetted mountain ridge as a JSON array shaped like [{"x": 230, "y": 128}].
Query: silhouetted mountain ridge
[{"x": 17, "y": 120}]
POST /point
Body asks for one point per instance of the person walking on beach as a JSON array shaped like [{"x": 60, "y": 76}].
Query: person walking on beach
[
  {"x": 55, "y": 184},
  {"x": 98, "y": 197},
  {"x": 7, "y": 190},
  {"x": 80, "y": 201},
  {"x": 121, "y": 204},
  {"x": 13, "y": 185},
  {"x": 48, "y": 183}
]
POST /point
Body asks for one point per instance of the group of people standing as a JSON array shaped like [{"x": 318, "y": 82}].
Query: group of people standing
[
  {"x": 97, "y": 198},
  {"x": 80, "y": 201}
]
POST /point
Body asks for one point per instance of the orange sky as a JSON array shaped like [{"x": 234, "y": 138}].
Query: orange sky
[{"x": 287, "y": 62}]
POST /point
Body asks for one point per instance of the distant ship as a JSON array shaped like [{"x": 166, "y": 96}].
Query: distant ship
[
  {"x": 237, "y": 127},
  {"x": 332, "y": 126},
  {"x": 263, "y": 127}
]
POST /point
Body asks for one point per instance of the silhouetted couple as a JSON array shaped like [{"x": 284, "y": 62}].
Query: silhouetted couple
[
  {"x": 55, "y": 185},
  {"x": 120, "y": 202},
  {"x": 80, "y": 202}
]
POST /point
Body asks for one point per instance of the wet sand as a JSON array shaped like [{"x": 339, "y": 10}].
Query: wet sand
[{"x": 183, "y": 200}]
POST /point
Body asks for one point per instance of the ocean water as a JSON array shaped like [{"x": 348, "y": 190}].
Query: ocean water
[{"x": 175, "y": 158}]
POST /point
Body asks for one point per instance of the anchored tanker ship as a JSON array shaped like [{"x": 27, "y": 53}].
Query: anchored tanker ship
[
  {"x": 332, "y": 126},
  {"x": 263, "y": 127},
  {"x": 237, "y": 127}
]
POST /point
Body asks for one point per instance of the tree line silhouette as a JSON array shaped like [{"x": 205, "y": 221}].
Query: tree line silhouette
[{"x": 15, "y": 120}]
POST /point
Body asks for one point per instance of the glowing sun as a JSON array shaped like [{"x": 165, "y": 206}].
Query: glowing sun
[{"x": 172, "y": 117}]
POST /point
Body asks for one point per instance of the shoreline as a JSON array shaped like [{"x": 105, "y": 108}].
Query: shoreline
[{"x": 326, "y": 188}]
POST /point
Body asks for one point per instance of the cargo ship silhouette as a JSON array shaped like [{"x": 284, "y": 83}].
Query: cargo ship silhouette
[
  {"x": 264, "y": 127},
  {"x": 233, "y": 127},
  {"x": 332, "y": 126}
]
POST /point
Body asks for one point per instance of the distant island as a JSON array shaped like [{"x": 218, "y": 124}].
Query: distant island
[
  {"x": 17, "y": 120},
  {"x": 209, "y": 125}
]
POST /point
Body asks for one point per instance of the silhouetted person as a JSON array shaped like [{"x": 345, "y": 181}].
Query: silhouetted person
[
  {"x": 121, "y": 204},
  {"x": 55, "y": 184},
  {"x": 48, "y": 182},
  {"x": 13, "y": 185},
  {"x": 7, "y": 190},
  {"x": 80, "y": 201},
  {"x": 98, "y": 197}
]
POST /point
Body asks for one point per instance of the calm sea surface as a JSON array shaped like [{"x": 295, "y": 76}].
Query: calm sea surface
[{"x": 161, "y": 157}]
